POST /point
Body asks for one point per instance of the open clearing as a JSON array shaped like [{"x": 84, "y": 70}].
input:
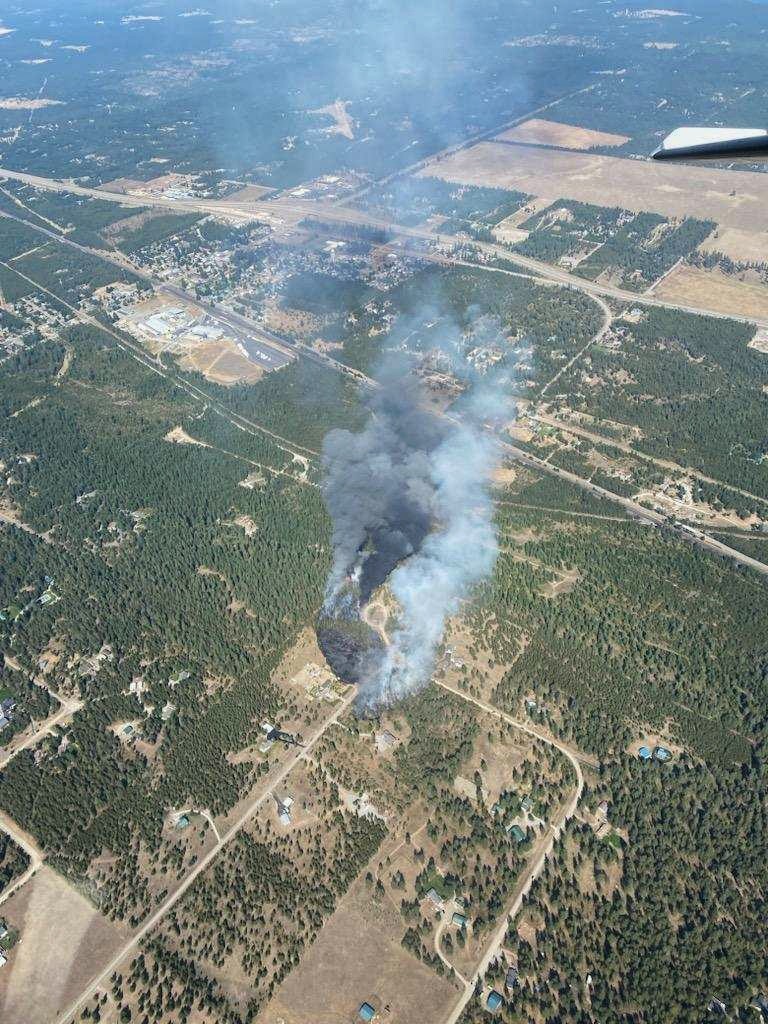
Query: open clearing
[
  {"x": 343, "y": 123},
  {"x": 740, "y": 246},
  {"x": 358, "y": 958},
  {"x": 63, "y": 941},
  {"x": 711, "y": 289},
  {"x": 735, "y": 199},
  {"x": 538, "y": 132},
  {"x": 22, "y": 103},
  {"x": 222, "y": 363}
]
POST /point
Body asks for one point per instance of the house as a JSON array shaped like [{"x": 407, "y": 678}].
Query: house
[
  {"x": 3, "y": 930},
  {"x": 284, "y": 806},
  {"x": 3, "y": 722},
  {"x": 434, "y": 896},
  {"x": 494, "y": 1000},
  {"x": 385, "y": 740},
  {"x": 3, "y": 959},
  {"x": 662, "y": 754},
  {"x": 511, "y": 978},
  {"x": 516, "y": 832},
  {"x": 182, "y": 822},
  {"x": 645, "y": 753},
  {"x": 760, "y": 1003},
  {"x": 603, "y": 807},
  {"x": 7, "y": 705},
  {"x": 526, "y": 804},
  {"x": 717, "y": 1006},
  {"x": 459, "y": 919},
  {"x": 366, "y": 1012}
]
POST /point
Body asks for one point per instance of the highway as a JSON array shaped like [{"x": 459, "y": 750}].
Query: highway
[
  {"x": 639, "y": 512},
  {"x": 282, "y": 210},
  {"x": 282, "y": 345}
]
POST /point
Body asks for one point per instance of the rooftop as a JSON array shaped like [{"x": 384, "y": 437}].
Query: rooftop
[{"x": 494, "y": 1000}]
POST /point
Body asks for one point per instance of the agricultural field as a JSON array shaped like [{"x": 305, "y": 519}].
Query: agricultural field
[
  {"x": 732, "y": 199},
  {"x": 713, "y": 290},
  {"x": 63, "y": 939},
  {"x": 540, "y": 132}
]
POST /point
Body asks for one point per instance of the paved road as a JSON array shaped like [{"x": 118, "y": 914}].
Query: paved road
[
  {"x": 74, "y": 1009},
  {"x": 543, "y": 850},
  {"x": 574, "y": 428},
  {"x": 639, "y": 512},
  {"x": 285, "y": 210}
]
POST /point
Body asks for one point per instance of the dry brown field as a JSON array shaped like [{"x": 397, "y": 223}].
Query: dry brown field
[
  {"x": 248, "y": 194},
  {"x": 710, "y": 289},
  {"x": 222, "y": 363},
  {"x": 744, "y": 246},
  {"x": 658, "y": 187},
  {"x": 539, "y": 132},
  {"x": 64, "y": 941},
  {"x": 358, "y": 958}
]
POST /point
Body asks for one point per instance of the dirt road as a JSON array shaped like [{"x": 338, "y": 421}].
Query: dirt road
[
  {"x": 573, "y": 428},
  {"x": 542, "y": 850},
  {"x": 28, "y": 845},
  {"x": 74, "y": 1009}
]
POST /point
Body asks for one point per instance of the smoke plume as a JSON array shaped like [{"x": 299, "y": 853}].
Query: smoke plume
[{"x": 410, "y": 505}]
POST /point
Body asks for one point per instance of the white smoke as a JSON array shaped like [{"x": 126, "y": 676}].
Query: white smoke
[{"x": 410, "y": 501}]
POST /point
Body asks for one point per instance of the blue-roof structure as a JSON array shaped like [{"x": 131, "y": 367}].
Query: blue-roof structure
[
  {"x": 494, "y": 1000},
  {"x": 645, "y": 753},
  {"x": 366, "y": 1012},
  {"x": 662, "y": 754}
]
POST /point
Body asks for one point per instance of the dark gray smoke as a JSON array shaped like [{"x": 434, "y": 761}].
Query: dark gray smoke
[{"x": 409, "y": 501}]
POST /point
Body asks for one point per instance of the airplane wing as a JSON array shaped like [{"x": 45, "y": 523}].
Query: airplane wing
[{"x": 693, "y": 143}]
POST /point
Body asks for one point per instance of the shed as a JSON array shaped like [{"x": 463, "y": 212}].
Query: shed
[
  {"x": 516, "y": 832},
  {"x": 511, "y": 977},
  {"x": 459, "y": 919},
  {"x": 366, "y": 1012},
  {"x": 3, "y": 722},
  {"x": 494, "y": 1000},
  {"x": 182, "y": 822},
  {"x": 662, "y": 754}
]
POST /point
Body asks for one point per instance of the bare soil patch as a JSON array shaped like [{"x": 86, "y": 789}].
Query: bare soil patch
[
  {"x": 741, "y": 246},
  {"x": 179, "y": 436},
  {"x": 539, "y": 132},
  {"x": 222, "y": 363},
  {"x": 63, "y": 942},
  {"x": 711, "y": 289},
  {"x": 248, "y": 194},
  {"x": 358, "y": 958},
  {"x": 343, "y": 123},
  {"x": 22, "y": 103},
  {"x": 735, "y": 199}
]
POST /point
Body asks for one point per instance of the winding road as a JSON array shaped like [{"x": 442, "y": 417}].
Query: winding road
[{"x": 539, "y": 858}]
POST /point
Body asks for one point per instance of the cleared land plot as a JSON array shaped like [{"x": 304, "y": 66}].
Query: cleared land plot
[
  {"x": 63, "y": 941},
  {"x": 358, "y": 958},
  {"x": 740, "y": 246},
  {"x": 222, "y": 363},
  {"x": 639, "y": 185},
  {"x": 538, "y": 132},
  {"x": 711, "y": 289},
  {"x": 248, "y": 194}
]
